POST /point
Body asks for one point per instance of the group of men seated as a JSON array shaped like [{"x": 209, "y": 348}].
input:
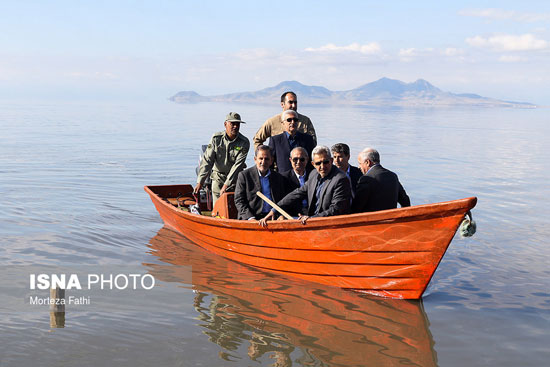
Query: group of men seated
[{"x": 302, "y": 178}]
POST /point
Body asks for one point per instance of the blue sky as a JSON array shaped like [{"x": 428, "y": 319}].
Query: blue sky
[{"x": 153, "y": 49}]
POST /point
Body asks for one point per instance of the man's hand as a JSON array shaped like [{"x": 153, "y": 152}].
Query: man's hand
[
  {"x": 197, "y": 188},
  {"x": 263, "y": 221},
  {"x": 303, "y": 218}
]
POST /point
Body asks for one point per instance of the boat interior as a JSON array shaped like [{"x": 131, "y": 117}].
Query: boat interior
[{"x": 182, "y": 198}]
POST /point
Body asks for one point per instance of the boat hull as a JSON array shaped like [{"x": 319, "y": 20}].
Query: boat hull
[{"x": 391, "y": 253}]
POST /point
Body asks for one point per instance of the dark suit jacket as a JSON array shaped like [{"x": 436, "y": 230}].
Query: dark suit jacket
[
  {"x": 354, "y": 174},
  {"x": 335, "y": 194},
  {"x": 248, "y": 183},
  {"x": 281, "y": 149},
  {"x": 291, "y": 184},
  {"x": 379, "y": 189}
]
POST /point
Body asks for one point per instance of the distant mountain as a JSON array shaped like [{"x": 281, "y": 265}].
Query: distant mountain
[{"x": 382, "y": 92}]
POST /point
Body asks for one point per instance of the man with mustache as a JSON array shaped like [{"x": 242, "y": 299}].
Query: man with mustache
[
  {"x": 273, "y": 126},
  {"x": 297, "y": 177},
  {"x": 224, "y": 157},
  {"x": 290, "y": 138},
  {"x": 258, "y": 178}
]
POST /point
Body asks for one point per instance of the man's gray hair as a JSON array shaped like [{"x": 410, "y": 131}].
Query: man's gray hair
[
  {"x": 299, "y": 149},
  {"x": 371, "y": 154},
  {"x": 288, "y": 112},
  {"x": 321, "y": 149}
]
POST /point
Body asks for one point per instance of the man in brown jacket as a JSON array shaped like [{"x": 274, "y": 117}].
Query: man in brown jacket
[{"x": 274, "y": 125}]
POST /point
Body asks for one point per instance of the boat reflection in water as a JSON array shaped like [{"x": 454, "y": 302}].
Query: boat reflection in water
[{"x": 281, "y": 320}]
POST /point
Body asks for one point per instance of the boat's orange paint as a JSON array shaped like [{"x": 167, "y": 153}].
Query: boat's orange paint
[{"x": 391, "y": 253}]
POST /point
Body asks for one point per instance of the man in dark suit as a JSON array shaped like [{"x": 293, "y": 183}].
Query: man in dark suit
[
  {"x": 378, "y": 188},
  {"x": 290, "y": 138},
  {"x": 258, "y": 178},
  {"x": 297, "y": 177},
  {"x": 341, "y": 155},
  {"x": 327, "y": 190}
]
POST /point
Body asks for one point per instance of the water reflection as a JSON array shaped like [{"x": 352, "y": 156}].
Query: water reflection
[{"x": 268, "y": 318}]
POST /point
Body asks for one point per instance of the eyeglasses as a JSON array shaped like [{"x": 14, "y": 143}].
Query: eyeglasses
[
  {"x": 325, "y": 162},
  {"x": 291, "y": 119},
  {"x": 296, "y": 160}
]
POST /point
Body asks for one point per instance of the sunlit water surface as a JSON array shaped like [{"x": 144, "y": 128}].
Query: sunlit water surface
[{"x": 71, "y": 182}]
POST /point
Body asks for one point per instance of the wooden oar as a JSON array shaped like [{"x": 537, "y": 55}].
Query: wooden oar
[{"x": 275, "y": 206}]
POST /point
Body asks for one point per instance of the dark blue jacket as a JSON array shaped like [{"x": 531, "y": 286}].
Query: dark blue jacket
[
  {"x": 379, "y": 189},
  {"x": 281, "y": 149}
]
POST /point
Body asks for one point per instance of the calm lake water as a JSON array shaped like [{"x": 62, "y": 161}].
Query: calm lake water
[{"x": 71, "y": 181}]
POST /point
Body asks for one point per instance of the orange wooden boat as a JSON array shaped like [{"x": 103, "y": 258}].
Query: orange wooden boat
[{"x": 391, "y": 253}]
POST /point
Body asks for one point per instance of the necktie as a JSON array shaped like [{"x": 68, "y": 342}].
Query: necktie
[
  {"x": 302, "y": 182},
  {"x": 317, "y": 195}
]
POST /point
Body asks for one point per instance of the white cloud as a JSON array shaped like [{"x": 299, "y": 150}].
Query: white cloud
[
  {"x": 367, "y": 49},
  {"x": 490, "y": 13},
  {"x": 253, "y": 54},
  {"x": 500, "y": 14},
  {"x": 407, "y": 54},
  {"x": 451, "y": 51},
  {"x": 97, "y": 75},
  {"x": 512, "y": 58},
  {"x": 507, "y": 42},
  {"x": 411, "y": 54}
]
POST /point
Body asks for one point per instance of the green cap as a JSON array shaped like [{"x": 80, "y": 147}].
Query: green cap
[{"x": 234, "y": 117}]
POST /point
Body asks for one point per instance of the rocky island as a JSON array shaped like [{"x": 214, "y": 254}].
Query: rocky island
[{"x": 383, "y": 92}]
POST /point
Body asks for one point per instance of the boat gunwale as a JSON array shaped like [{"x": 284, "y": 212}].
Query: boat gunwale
[{"x": 368, "y": 218}]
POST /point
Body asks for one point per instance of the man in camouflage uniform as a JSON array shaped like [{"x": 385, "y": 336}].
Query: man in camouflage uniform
[
  {"x": 274, "y": 125},
  {"x": 224, "y": 157}
]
